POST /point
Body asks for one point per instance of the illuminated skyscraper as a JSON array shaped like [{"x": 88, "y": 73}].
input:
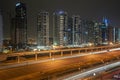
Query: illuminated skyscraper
[
  {"x": 76, "y": 30},
  {"x": 20, "y": 25},
  {"x": 60, "y": 35},
  {"x": 97, "y": 40},
  {"x": 1, "y": 31},
  {"x": 43, "y": 29},
  {"x": 104, "y": 31}
]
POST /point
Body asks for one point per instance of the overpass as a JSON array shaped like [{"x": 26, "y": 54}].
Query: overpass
[{"x": 71, "y": 51}]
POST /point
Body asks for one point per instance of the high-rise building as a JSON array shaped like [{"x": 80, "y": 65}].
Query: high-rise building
[
  {"x": 43, "y": 29},
  {"x": 76, "y": 30},
  {"x": 87, "y": 31},
  {"x": 104, "y": 31},
  {"x": 116, "y": 34},
  {"x": 60, "y": 27},
  {"x": 69, "y": 30},
  {"x": 97, "y": 40},
  {"x": 110, "y": 34},
  {"x": 119, "y": 35},
  {"x": 19, "y": 26},
  {"x": 1, "y": 31}
]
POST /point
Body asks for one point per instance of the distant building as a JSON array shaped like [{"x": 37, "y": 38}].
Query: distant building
[
  {"x": 70, "y": 32},
  {"x": 119, "y": 35},
  {"x": 43, "y": 29},
  {"x": 116, "y": 34},
  {"x": 97, "y": 39},
  {"x": 87, "y": 31},
  {"x": 19, "y": 26},
  {"x": 1, "y": 31},
  {"x": 104, "y": 31},
  {"x": 60, "y": 26},
  {"x": 110, "y": 34}
]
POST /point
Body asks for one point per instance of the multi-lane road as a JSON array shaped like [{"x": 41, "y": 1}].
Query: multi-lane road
[
  {"x": 93, "y": 72},
  {"x": 52, "y": 53},
  {"x": 55, "y": 67}
]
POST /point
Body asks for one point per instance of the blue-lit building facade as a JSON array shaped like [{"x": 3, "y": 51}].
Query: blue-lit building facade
[{"x": 104, "y": 30}]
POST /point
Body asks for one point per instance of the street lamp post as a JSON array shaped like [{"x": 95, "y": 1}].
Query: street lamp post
[
  {"x": 71, "y": 52},
  {"x": 18, "y": 58},
  {"x": 79, "y": 51},
  {"x": 50, "y": 54},
  {"x": 36, "y": 56},
  {"x": 61, "y": 53}
]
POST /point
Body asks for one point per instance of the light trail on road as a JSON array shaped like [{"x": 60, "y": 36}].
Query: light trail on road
[
  {"x": 55, "y": 67},
  {"x": 93, "y": 72}
]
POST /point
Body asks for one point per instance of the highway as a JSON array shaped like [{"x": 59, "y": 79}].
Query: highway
[
  {"x": 45, "y": 67},
  {"x": 53, "y": 67},
  {"x": 93, "y": 72},
  {"x": 64, "y": 57},
  {"x": 60, "y": 52}
]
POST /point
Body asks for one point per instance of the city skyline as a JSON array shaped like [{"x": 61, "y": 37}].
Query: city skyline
[{"x": 93, "y": 10}]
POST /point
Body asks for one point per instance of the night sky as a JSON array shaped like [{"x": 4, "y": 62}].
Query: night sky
[{"x": 87, "y": 9}]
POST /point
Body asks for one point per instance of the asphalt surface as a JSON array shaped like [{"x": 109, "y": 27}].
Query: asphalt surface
[{"x": 31, "y": 71}]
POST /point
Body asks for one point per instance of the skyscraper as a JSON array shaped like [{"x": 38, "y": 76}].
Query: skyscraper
[
  {"x": 116, "y": 34},
  {"x": 87, "y": 31},
  {"x": 110, "y": 34},
  {"x": 76, "y": 30},
  {"x": 20, "y": 35},
  {"x": 97, "y": 40},
  {"x": 119, "y": 35},
  {"x": 70, "y": 32},
  {"x": 1, "y": 31},
  {"x": 104, "y": 31},
  {"x": 60, "y": 28},
  {"x": 43, "y": 29}
]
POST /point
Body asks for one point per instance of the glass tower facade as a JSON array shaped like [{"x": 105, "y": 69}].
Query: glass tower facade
[{"x": 20, "y": 25}]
